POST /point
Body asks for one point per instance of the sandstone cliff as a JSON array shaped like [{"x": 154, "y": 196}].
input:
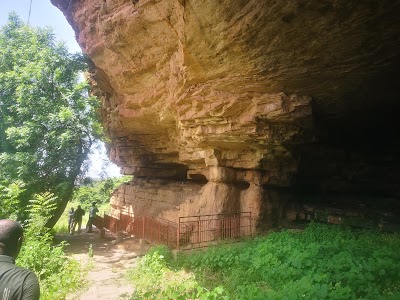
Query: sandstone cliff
[{"x": 262, "y": 106}]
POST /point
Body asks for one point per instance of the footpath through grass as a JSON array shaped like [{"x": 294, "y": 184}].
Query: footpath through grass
[
  {"x": 323, "y": 262},
  {"x": 58, "y": 274}
]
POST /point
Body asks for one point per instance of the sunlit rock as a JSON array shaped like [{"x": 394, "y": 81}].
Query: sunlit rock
[{"x": 258, "y": 106}]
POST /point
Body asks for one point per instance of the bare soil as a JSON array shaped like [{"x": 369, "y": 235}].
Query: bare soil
[{"x": 107, "y": 268}]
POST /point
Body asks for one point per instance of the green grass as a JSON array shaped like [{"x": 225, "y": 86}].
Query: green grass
[{"x": 323, "y": 262}]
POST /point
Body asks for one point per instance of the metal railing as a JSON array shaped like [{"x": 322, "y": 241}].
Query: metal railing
[
  {"x": 189, "y": 232},
  {"x": 200, "y": 231},
  {"x": 155, "y": 230}
]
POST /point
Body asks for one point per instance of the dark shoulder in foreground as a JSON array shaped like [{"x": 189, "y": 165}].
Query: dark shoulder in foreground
[{"x": 18, "y": 283}]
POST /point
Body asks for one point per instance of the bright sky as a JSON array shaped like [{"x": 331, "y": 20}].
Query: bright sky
[{"x": 43, "y": 14}]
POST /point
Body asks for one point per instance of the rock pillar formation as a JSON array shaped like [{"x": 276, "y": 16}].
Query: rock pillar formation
[{"x": 261, "y": 106}]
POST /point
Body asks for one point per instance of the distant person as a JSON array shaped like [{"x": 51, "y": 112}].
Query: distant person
[
  {"x": 79, "y": 212},
  {"x": 16, "y": 283},
  {"x": 92, "y": 215},
  {"x": 71, "y": 213}
]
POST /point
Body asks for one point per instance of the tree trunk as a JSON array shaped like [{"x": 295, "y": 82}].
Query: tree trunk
[
  {"x": 61, "y": 207},
  {"x": 71, "y": 184}
]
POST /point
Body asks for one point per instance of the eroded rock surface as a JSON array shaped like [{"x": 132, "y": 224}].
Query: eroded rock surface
[{"x": 220, "y": 106}]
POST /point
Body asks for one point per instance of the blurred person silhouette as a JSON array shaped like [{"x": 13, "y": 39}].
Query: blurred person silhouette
[
  {"x": 92, "y": 215},
  {"x": 71, "y": 213},
  {"x": 16, "y": 283},
  {"x": 79, "y": 212}
]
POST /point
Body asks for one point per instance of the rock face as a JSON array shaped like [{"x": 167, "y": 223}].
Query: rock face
[{"x": 261, "y": 106}]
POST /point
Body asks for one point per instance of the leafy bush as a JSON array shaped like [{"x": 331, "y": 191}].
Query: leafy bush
[
  {"x": 154, "y": 280},
  {"x": 161, "y": 251},
  {"x": 323, "y": 262},
  {"x": 9, "y": 198},
  {"x": 58, "y": 274}
]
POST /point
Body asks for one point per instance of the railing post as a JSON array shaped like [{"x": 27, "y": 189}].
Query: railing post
[
  {"x": 232, "y": 230},
  {"x": 168, "y": 235},
  {"x": 221, "y": 226},
  {"x": 233, "y": 225},
  {"x": 159, "y": 231},
  {"x": 178, "y": 233},
  {"x": 143, "y": 227},
  {"x": 251, "y": 225},
  {"x": 198, "y": 229},
  {"x": 237, "y": 225}
]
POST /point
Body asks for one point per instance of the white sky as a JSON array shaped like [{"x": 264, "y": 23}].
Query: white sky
[{"x": 43, "y": 14}]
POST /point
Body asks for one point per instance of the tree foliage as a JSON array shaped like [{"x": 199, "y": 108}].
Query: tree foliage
[
  {"x": 97, "y": 191},
  {"x": 48, "y": 121},
  {"x": 9, "y": 195}
]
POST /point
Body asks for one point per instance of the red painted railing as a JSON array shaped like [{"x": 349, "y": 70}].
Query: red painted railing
[
  {"x": 200, "y": 231},
  {"x": 155, "y": 230},
  {"x": 189, "y": 232}
]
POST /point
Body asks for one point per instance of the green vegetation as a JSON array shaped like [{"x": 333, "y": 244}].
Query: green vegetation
[
  {"x": 323, "y": 262},
  {"x": 9, "y": 198},
  {"x": 48, "y": 124},
  {"x": 48, "y": 121},
  {"x": 97, "y": 190},
  {"x": 90, "y": 191},
  {"x": 90, "y": 251},
  {"x": 154, "y": 278},
  {"x": 58, "y": 274}
]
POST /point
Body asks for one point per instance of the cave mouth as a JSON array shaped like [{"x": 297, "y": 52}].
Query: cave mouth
[
  {"x": 372, "y": 131},
  {"x": 354, "y": 163},
  {"x": 356, "y": 155},
  {"x": 363, "y": 114},
  {"x": 350, "y": 174},
  {"x": 294, "y": 207}
]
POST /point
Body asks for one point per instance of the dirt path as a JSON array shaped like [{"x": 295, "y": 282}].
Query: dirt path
[{"x": 107, "y": 267}]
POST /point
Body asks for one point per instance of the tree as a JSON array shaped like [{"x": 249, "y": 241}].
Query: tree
[
  {"x": 48, "y": 121},
  {"x": 99, "y": 191}
]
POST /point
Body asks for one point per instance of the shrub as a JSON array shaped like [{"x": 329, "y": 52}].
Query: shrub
[
  {"x": 323, "y": 262},
  {"x": 154, "y": 280},
  {"x": 58, "y": 275}
]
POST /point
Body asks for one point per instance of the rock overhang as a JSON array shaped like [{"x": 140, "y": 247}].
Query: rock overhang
[{"x": 290, "y": 90}]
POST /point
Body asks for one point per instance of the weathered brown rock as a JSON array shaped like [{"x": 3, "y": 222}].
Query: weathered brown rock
[{"x": 237, "y": 96}]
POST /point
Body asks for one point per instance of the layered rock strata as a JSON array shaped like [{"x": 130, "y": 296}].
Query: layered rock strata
[{"x": 217, "y": 106}]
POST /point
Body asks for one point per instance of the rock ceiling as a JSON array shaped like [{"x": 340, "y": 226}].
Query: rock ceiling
[{"x": 301, "y": 93}]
